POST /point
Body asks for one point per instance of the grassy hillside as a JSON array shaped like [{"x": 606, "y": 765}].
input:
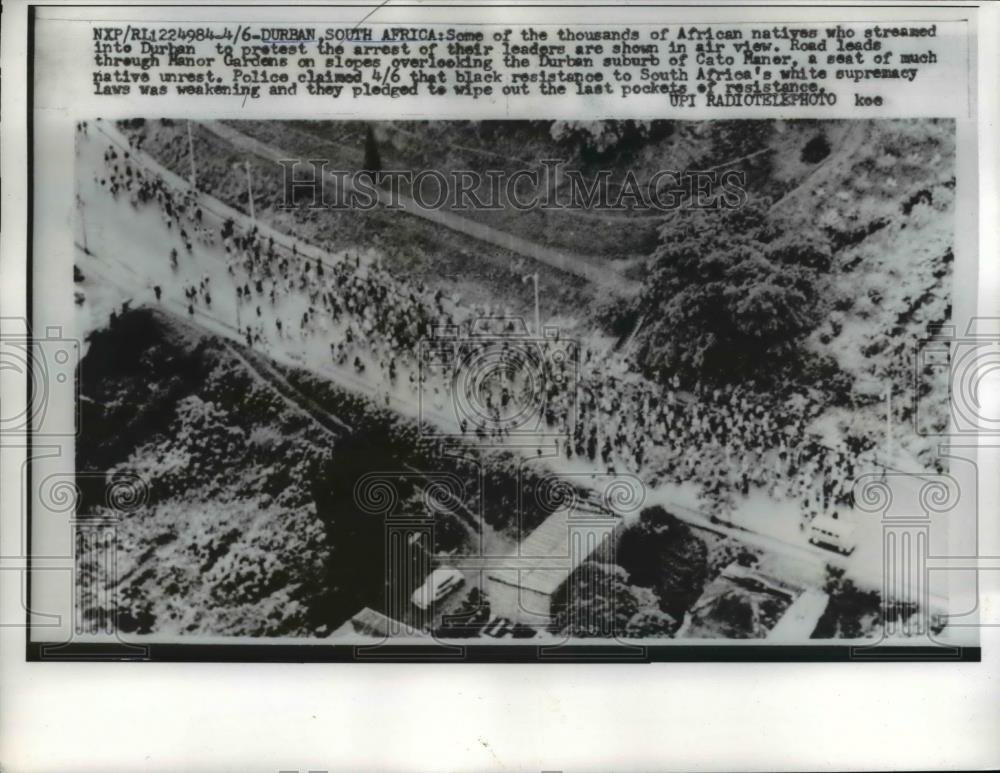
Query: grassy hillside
[
  {"x": 230, "y": 542},
  {"x": 875, "y": 198}
]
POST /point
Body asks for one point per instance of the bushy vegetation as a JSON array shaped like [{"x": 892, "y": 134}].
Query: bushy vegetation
[
  {"x": 594, "y": 141},
  {"x": 855, "y": 613},
  {"x": 730, "y": 295},
  {"x": 660, "y": 569},
  {"x": 227, "y": 541},
  {"x": 664, "y": 554},
  {"x": 596, "y": 601}
]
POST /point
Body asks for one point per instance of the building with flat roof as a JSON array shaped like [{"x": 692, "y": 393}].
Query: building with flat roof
[{"x": 523, "y": 592}]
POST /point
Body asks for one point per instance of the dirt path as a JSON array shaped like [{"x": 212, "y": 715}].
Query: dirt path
[
  {"x": 846, "y": 148},
  {"x": 589, "y": 268}
]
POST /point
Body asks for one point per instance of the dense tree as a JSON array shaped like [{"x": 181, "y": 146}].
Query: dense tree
[
  {"x": 729, "y": 296},
  {"x": 605, "y": 140},
  {"x": 373, "y": 159},
  {"x": 651, "y": 623},
  {"x": 851, "y": 612},
  {"x": 595, "y": 601},
  {"x": 663, "y": 553},
  {"x": 816, "y": 149}
]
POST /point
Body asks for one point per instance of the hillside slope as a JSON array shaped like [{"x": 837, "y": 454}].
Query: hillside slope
[
  {"x": 878, "y": 196},
  {"x": 230, "y": 541}
]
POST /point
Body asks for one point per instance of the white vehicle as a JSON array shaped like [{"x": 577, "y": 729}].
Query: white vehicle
[
  {"x": 438, "y": 584},
  {"x": 833, "y": 533},
  {"x": 499, "y": 628}
]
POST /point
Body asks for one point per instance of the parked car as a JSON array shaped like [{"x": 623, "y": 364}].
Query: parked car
[
  {"x": 499, "y": 628},
  {"x": 438, "y": 584}
]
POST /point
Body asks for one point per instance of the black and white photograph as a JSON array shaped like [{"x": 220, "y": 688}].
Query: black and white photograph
[
  {"x": 508, "y": 383},
  {"x": 499, "y": 386}
]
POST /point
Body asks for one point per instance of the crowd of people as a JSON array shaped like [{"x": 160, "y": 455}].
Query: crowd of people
[{"x": 477, "y": 368}]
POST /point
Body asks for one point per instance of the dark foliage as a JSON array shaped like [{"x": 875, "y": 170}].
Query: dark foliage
[
  {"x": 663, "y": 553},
  {"x": 596, "y": 601},
  {"x": 373, "y": 159},
  {"x": 606, "y": 141},
  {"x": 853, "y": 612},
  {"x": 133, "y": 377},
  {"x": 351, "y": 583},
  {"x": 730, "y": 296},
  {"x": 816, "y": 149}
]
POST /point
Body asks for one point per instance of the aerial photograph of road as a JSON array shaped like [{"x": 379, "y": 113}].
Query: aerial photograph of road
[{"x": 422, "y": 382}]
